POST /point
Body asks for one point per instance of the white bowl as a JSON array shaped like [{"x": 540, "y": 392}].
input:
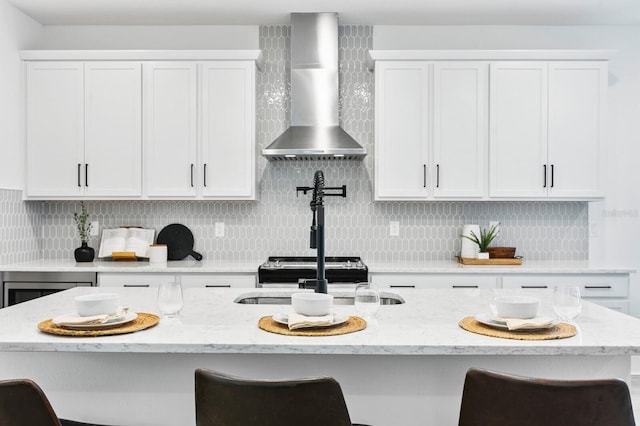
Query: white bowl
[
  {"x": 312, "y": 304},
  {"x": 97, "y": 304},
  {"x": 517, "y": 306}
]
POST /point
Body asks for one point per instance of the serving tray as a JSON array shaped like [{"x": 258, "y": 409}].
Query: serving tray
[{"x": 497, "y": 261}]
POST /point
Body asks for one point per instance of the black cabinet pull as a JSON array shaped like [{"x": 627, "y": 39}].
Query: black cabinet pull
[
  {"x": 86, "y": 174},
  {"x": 464, "y": 286},
  {"x": 424, "y": 175},
  {"x": 437, "y": 175},
  {"x": 192, "y": 175},
  {"x": 402, "y": 286},
  {"x": 534, "y": 286},
  {"x": 218, "y": 286},
  {"x": 205, "y": 174},
  {"x": 136, "y": 285},
  {"x": 79, "y": 167},
  {"x": 544, "y": 171},
  {"x": 598, "y": 287},
  {"x": 552, "y": 175}
]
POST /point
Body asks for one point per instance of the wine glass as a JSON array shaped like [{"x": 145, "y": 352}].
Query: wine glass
[
  {"x": 170, "y": 299},
  {"x": 566, "y": 302},
  {"x": 367, "y": 299}
]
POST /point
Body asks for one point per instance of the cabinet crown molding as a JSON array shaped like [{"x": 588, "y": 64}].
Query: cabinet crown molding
[
  {"x": 486, "y": 55},
  {"x": 144, "y": 55}
]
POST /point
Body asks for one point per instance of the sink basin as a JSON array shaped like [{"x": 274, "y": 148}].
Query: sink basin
[{"x": 257, "y": 298}]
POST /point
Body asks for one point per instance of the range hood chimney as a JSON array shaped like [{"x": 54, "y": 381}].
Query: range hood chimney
[{"x": 314, "y": 133}]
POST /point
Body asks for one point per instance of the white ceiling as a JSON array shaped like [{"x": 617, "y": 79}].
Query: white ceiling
[{"x": 373, "y": 12}]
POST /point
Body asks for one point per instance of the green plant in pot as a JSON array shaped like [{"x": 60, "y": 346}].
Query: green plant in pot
[
  {"x": 84, "y": 253},
  {"x": 483, "y": 240}
]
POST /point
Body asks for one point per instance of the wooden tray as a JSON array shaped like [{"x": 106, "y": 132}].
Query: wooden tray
[{"x": 497, "y": 261}]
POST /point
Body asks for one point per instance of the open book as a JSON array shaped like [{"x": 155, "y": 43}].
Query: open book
[{"x": 135, "y": 240}]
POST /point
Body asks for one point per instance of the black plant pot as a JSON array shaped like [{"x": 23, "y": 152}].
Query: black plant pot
[{"x": 84, "y": 253}]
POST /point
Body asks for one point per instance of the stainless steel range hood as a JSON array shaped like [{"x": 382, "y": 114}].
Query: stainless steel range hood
[{"x": 315, "y": 133}]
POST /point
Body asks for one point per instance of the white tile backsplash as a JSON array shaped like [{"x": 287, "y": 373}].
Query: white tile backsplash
[{"x": 278, "y": 223}]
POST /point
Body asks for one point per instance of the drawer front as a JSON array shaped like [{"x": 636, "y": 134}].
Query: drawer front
[
  {"x": 134, "y": 280},
  {"x": 591, "y": 286},
  {"x": 461, "y": 281},
  {"x": 218, "y": 281},
  {"x": 615, "y": 304}
]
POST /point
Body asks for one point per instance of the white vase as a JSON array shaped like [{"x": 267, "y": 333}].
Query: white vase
[
  {"x": 483, "y": 255},
  {"x": 469, "y": 249}
]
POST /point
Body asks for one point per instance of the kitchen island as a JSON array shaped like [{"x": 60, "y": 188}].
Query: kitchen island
[{"x": 407, "y": 367}]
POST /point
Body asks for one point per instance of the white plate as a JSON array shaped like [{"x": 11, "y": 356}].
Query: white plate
[
  {"x": 128, "y": 317},
  {"x": 283, "y": 318},
  {"x": 489, "y": 320}
]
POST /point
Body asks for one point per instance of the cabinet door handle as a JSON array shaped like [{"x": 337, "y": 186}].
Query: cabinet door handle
[
  {"x": 205, "y": 174},
  {"x": 218, "y": 286},
  {"x": 597, "y": 287},
  {"x": 192, "y": 175},
  {"x": 79, "y": 167},
  {"x": 136, "y": 285},
  {"x": 552, "y": 175},
  {"x": 86, "y": 174},
  {"x": 464, "y": 286},
  {"x": 402, "y": 286},
  {"x": 544, "y": 171},
  {"x": 437, "y": 175},
  {"x": 534, "y": 286},
  {"x": 424, "y": 175}
]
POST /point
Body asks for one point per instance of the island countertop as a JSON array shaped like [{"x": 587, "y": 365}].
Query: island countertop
[{"x": 427, "y": 324}]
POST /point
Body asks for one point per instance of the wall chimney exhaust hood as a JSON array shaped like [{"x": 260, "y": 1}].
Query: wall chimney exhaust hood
[{"x": 315, "y": 133}]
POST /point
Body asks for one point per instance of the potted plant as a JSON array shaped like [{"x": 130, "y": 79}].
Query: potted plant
[
  {"x": 483, "y": 240},
  {"x": 84, "y": 253}
]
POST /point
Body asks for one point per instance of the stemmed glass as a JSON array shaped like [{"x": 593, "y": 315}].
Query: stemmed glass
[
  {"x": 566, "y": 302},
  {"x": 170, "y": 299},
  {"x": 367, "y": 299}
]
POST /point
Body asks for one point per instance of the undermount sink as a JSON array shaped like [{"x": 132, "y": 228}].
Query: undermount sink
[{"x": 257, "y": 298}]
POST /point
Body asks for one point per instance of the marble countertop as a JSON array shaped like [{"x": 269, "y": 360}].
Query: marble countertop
[
  {"x": 427, "y": 324},
  {"x": 251, "y": 267}
]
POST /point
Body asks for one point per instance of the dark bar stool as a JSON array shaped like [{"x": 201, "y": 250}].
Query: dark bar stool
[
  {"x": 23, "y": 403},
  {"x": 223, "y": 400},
  {"x": 495, "y": 399}
]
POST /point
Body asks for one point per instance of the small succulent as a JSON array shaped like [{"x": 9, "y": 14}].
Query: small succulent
[
  {"x": 82, "y": 222},
  {"x": 485, "y": 238}
]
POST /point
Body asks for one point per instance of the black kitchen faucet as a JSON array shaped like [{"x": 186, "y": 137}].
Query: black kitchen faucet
[{"x": 317, "y": 225}]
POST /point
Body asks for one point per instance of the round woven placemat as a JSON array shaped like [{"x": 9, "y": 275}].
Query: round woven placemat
[
  {"x": 143, "y": 321},
  {"x": 559, "y": 331},
  {"x": 351, "y": 325}
]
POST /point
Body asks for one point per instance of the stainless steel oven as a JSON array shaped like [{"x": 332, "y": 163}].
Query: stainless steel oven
[{"x": 19, "y": 287}]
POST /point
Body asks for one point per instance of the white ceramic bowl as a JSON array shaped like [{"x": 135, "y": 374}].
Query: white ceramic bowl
[
  {"x": 97, "y": 304},
  {"x": 517, "y": 306},
  {"x": 312, "y": 304}
]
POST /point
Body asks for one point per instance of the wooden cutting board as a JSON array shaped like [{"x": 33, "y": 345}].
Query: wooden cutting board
[{"x": 503, "y": 261}]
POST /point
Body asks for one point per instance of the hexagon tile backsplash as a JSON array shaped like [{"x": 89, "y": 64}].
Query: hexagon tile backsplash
[{"x": 278, "y": 223}]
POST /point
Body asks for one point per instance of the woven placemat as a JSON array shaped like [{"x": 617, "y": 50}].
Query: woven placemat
[
  {"x": 560, "y": 331},
  {"x": 351, "y": 325},
  {"x": 143, "y": 321}
]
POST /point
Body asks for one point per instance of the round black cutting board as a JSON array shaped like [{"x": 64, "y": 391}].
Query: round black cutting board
[{"x": 179, "y": 241}]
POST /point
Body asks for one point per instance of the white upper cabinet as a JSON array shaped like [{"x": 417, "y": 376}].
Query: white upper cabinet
[
  {"x": 430, "y": 130},
  {"x": 199, "y": 130},
  {"x": 170, "y": 129},
  {"x": 55, "y": 129},
  {"x": 402, "y": 130},
  {"x": 228, "y": 130},
  {"x": 83, "y": 130},
  {"x": 547, "y": 129},
  {"x": 154, "y": 128}
]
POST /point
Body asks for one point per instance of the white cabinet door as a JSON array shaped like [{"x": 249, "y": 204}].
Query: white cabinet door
[
  {"x": 55, "y": 129},
  {"x": 401, "y": 144},
  {"x": 113, "y": 129},
  {"x": 518, "y": 129},
  {"x": 459, "y": 128},
  {"x": 228, "y": 130},
  {"x": 424, "y": 280},
  {"x": 170, "y": 128},
  {"x": 577, "y": 92}
]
